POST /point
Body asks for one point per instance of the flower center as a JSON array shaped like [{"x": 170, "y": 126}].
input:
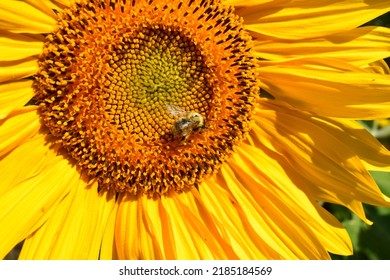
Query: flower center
[
  {"x": 152, "y": 69},
  {"x": 148, "y": 96}
]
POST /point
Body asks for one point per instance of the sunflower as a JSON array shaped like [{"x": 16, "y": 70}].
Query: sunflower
[{"x": 188, "y": 129}]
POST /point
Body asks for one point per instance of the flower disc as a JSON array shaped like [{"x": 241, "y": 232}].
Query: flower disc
[{"x": 109, "y": 72}]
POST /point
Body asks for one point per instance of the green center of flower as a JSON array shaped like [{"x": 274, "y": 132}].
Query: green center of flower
[
  {"x": 151, "y": 70},
  {"x": 147, "y": 97}
]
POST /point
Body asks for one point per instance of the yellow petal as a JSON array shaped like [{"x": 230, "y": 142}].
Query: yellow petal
[
  {"x": 308, "y": 144},
  {"x": 139, "y": 232},
  {"x": 269, "y": 201},
  {"x": 205, "y": 235},
  {"x": 20, "y": 17},
  {"x": 297, "y": 20},
  {"x": 14, "y": 95},
  {"x": 372, "y": 153},
  {"x": 18, "y": 46},
  {"x": 216, "y": 228},
  {"x": 108, "y": 249},
  {"x": 331, "y": 232},
  {"x": 16, "y": 130},
  {"x": 46, "y": 6},
  {"x": 81, "y": 232},
  {"x": 65, "y": 3},
  {"x": 192, "y": 239},
  {"x": 15, "y": 70},
  {"x": 328, "y": 230},
  {"x": 26, "y": 161},
  {"x": 359, "y": 47},
  {"x": 75, "y": 228},
  {"x": 39, "y": 244},
  {"x": 235, "y": 225},
  {"x": 166, "y": 228},
  {"x": 329, "y": 88},
  {"x": 379, "y": 67},
  {"x": 28, "y": 203}
]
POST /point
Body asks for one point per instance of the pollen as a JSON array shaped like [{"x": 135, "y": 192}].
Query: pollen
[{"x": 110, "y": 70}]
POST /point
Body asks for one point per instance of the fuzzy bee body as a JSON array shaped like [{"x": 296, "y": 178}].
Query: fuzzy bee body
[{"x": 186, "y": 122}]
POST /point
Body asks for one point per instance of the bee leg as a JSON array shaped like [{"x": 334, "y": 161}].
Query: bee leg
[{"x": 183, "y": 140}]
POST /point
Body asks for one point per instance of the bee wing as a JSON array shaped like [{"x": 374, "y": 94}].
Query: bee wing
[
  {"x": 175, "y": 110},
  {"x": 183, "y": 128}
]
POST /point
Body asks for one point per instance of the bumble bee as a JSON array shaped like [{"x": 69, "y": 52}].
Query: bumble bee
[{"x": 185, "y": 123}]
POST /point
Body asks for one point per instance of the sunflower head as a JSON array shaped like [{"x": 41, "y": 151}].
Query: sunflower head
[{"x": 111, "y": 71}]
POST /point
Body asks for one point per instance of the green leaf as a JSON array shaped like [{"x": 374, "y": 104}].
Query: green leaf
[{"x": 374, "y": 241}]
